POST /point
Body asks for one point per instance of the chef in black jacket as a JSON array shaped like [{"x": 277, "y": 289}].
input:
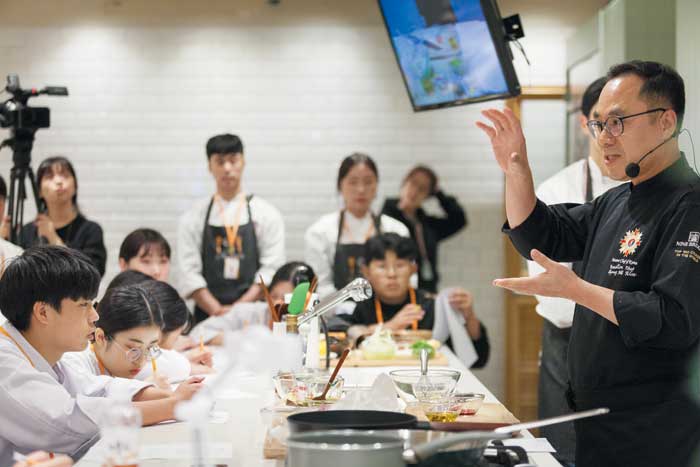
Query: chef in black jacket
[
  {"x": 637, "y": 320},
  {"x": 427, "y": 231}
]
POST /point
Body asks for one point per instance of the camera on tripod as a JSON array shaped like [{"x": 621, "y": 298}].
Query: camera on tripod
[
  {"x": 14, "y": 112},
  {"x": 23, "y": 122}
]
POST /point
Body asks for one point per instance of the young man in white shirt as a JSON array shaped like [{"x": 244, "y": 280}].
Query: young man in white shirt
[
  {"x": 579, "y": 182},
  {"x": 47, "y": 296},
  {"x": 227, "y": 241}
]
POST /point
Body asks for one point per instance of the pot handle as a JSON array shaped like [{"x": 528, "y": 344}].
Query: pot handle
[
  {"x": 552, "y": 420},
  {"x": 423, "y": 451}
]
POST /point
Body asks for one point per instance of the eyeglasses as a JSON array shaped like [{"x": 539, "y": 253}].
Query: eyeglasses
[
  {"x": 135, "y": 354},
  {"x": 613, "y": 124}
]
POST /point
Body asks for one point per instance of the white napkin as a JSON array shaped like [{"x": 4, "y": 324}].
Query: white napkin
[
  {"x": 381, "y": 396},
  {"x": 450, "y": 323}
]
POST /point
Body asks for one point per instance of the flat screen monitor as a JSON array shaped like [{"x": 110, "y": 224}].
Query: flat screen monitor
[{"x": 450, "y": 52}]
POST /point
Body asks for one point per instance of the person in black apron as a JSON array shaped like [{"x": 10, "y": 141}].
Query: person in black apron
[
  {"x": 229, "y": 259},
  {"x": 349, "y": 257},
  {"x": 553, "y": 376}
]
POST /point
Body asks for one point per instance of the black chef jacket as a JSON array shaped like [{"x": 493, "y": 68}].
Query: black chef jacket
[{"x": 643, "y": 242}]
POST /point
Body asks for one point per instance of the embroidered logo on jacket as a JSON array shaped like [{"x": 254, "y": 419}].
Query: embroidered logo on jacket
[{"x": 630, "y": 242}]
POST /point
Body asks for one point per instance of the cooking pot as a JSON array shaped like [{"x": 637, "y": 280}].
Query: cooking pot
[{"x": 351, "y": 448}]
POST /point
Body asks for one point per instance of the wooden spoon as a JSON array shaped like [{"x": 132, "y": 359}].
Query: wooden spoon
[{"x": 333, "y": 375}]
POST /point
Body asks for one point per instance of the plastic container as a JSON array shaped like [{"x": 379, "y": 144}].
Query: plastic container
[{"x": 120, "y": 428}]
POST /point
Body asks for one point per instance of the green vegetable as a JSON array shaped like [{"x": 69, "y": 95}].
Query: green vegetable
[
  {"x": 296, "y": 305},
  {"x": 418, "y": 345}
]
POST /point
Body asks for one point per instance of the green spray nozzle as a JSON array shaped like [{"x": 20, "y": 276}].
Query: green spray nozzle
[{"x": 296, "y": 305}]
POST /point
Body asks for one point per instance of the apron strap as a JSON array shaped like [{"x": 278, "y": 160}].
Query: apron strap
[
  {"x": 589, "y": 183},
  {"x": 380, "y": 315},
  {"x": 205, "y": 231}
]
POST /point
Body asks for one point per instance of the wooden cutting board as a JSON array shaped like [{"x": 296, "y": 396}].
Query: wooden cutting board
[
  {"x": 356, "y": 360},
  {"x": 489, "y": 417}
]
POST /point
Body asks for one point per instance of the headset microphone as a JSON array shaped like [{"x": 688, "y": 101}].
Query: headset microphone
[{"x": 632, "y": 169}]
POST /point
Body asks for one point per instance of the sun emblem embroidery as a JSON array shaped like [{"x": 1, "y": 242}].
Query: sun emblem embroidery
[{"x": 630, "y": 242}]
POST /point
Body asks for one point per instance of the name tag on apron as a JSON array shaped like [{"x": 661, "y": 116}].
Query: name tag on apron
[{"x": 232, "y": 267}]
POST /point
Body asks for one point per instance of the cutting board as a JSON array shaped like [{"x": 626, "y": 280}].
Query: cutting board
[
  {"x": 356, "y": 360},
  {"x": 489, "y": 417}
]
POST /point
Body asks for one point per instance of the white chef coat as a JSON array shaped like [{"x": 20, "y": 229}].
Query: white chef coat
[
  {"x": 567, "y": 186},
  {"x": 53, "y": 408},
  {"x": 320, "y": 240},
  {"x": 171, "y": 363},
  {"x": 269, "y": 232}
]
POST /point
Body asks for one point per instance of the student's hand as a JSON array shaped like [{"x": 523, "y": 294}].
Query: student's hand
[
  {"x": 200, "y": 356},
  {"x": 463, "y": 302},
  {"x": 188, "y": 388},
  {"x": 201, "y": 369},
  {"x": 46, "y": 229},
  {"x": 405, "y": 317},
  {"x": 5, "y": 227},
  {"x": 183, "y": 343},
  {"x": 507, "y": 141},
  {"x": 161, "y": 381},
  {"x": 43, "y": 459}
]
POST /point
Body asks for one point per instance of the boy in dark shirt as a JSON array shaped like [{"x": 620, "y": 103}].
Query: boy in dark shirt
[{"x": 391, "y": 260}]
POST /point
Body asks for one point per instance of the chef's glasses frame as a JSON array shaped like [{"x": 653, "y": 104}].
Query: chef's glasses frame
[{"x": 614, "y": 124}]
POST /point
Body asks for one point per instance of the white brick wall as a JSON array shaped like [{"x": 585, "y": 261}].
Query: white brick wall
[{"x": 303, "y": 84}]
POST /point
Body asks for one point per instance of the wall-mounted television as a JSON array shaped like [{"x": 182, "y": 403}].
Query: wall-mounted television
[{"x": 450, "y": 52}]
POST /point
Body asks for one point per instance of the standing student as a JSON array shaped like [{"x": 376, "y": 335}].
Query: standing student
[
  {"x": 225, "y": 242},
  {"x": 62, "y": 223},
  {"x": 580, "y": 182},
  {"x": 146, "y": 251},
  {"x": 334, "y": 245},
  {"x": 427, "y": 231},
  {"x": 636, "y": 323},
  {"x": 47, "y": 295}
]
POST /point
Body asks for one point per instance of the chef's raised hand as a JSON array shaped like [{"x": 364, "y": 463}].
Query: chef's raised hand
[
  {"x": 407, "y": 315},
  {"x": 507, "y": 140},
  {"x": 508, "y": 144},
  {"x": 556, "y": 280}
]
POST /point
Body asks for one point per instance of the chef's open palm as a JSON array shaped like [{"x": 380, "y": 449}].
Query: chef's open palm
[
  {"x": 407, "y": 315},
  {"x": 507, "y": 140},
  {"x": 556, "y": 281}
]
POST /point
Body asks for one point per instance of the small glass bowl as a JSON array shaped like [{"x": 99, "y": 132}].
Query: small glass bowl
[
  {"x": 307, "y": 387},
  {"x": 469, "y": 403},
  {"x": 443, "y": 410},
  {"x": 284, "y": 384}
]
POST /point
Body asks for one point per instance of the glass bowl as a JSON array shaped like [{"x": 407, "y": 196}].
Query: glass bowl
[
  {"x": 307, "y": 386},
  {"x": 284, "y": 383},
  {"x": 469, "y": 403},
  {"x": 404, "y": 381},
  {"x": 441, "y": 410}
]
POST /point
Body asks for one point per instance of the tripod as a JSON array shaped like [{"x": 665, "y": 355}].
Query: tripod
[{"x": 21, "y": 143}]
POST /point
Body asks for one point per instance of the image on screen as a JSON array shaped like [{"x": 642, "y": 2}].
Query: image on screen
[{"x": 445, "y": 51}]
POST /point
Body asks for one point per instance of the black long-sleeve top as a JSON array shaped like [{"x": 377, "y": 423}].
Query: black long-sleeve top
[
  {"x": 366, "y": 315},
  {"x": 643, "y": 242},
  {"x": 435, "y": 229},
  {"x": 81, "y": 234}
]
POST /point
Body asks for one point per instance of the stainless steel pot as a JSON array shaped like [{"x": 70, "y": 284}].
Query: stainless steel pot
[{"x": 348, "y": 448}]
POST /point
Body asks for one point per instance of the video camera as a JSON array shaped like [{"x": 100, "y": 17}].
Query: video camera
[
  {"x": 23, "y": 122},
  {"x": 16, "y": 114}
]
